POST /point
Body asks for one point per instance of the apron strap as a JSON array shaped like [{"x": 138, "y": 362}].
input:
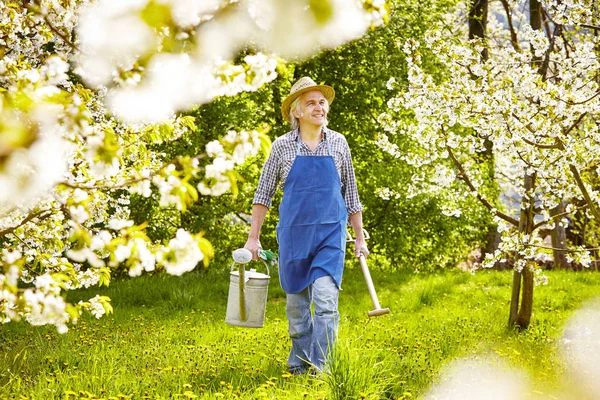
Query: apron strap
[{"x": 328, "y": 145}]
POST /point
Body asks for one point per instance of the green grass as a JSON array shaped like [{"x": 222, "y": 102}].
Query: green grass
[{"x": 167, "y": 339}]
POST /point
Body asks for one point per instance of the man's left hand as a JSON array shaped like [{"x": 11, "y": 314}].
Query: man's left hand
[{"x": 360, "y": 247}]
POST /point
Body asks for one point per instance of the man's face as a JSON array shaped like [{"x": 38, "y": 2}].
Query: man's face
[{"x": 312, "y": 109}]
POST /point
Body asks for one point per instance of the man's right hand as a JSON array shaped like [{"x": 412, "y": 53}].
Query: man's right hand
[{"x": 253, "y": 245}]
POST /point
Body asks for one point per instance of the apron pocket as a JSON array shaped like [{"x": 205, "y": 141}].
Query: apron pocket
[
  {"x": 303, "y": 241},
  {"x": 329, "y": 206}
]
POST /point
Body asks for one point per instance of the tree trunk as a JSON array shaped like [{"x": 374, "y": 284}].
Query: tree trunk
[
  {"x": 514, "y": 300},
  {"x": 535, "y": 14},
  {"x": 492, "y": 240},
  {"x": 478, "y": 17},
  {"x": 526, "y": 310},
  {"x": 596, "y": 22},
  {"x": 478, "y": 23},
  {"x": 559, "y": 239},
  {"x": 520, "y": 312},
  {"x": 525, "y": 276}
]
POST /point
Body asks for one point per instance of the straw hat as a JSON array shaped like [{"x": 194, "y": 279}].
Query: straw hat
[{"x": 303, "y": 85}]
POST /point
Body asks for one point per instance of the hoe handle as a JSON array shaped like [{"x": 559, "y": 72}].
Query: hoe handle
[{"x": 377, "y": 308}]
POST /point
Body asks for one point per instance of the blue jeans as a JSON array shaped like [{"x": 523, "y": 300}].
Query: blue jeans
[{"x": 312, "y": 339}]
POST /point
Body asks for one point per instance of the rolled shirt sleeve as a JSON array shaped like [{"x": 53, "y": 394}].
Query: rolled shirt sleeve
[
  {"x": 349, "y": 187},
  {"x": 267, "y": 184}
]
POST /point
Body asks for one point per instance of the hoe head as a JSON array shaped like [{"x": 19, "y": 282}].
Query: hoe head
[{"x": 379, "y": 311}]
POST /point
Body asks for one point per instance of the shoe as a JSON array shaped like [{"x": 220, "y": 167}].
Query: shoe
[{"x": 298, "y": 370}]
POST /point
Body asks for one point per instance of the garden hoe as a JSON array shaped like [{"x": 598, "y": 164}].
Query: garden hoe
[{"x": 365, "y": 269}]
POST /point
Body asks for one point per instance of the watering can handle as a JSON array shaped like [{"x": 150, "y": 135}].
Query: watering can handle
[{"x": 242, "y": 266}]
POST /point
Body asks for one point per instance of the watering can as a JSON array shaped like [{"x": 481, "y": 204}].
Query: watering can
[{"x": 247, "y": 300}]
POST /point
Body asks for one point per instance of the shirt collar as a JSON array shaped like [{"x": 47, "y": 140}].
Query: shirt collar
[{"x": 296, "y": 133}]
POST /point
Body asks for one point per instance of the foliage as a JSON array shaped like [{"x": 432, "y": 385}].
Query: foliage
[{"x": 167, "y": 337}]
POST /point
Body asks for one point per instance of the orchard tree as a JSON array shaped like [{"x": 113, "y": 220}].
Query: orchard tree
[
  {"x": 536, "y": 98},
  {"x": 89, "y": 90}
]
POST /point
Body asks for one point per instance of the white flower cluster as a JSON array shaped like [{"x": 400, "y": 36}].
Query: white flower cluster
[
  {"x": 139, "y": 256},
  {"x": 114, "y": 34},
  {"x": 387, "y": 193},
  {"x": 571, "y": 12},
  {"x": 377, "y": 11},
  {"x": 84, "y": 279},
  {"x": 46, "y": 308},
  {"x": 232, "y": 150},
  {"x": 37, "y": 162},
  {"x": 580, "y": 256},
  {"x": 169, "y": 186},
  {"x": 96, "y": 306},
  {"x": 233, "y": 79},
  {"x": 86, "y": 254},
  {"x": 181, "y": 255},
  {"x": 581, "y": 348},
  {"x": 28, "y": 35}
]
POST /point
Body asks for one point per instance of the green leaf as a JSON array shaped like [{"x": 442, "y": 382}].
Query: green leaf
[
  {"x": 104, "y": 276},
  {"x": 265, "y": 143},
  {"x": 156, "y": 15},
  {"x": 233, "y": 179},
  {"x": 192, "y": 192},
  {"x": 207, "y": 249},
  {"x": 322, "y": 10},
  {"x": 72, "y": 311}
]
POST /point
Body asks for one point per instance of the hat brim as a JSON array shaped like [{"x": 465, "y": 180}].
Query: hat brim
[{"x": 327, "y": 92}]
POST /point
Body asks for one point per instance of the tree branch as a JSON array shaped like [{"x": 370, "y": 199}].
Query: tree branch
[
  {"x": 566, "y": 133},
  {"x": 482, "y": 199},
  {"x": 584, "y": 191},
  {"x": 543, "y": 70},
  {"x": 32, "y": 215},
  {"x": 102, "y": 187},
  {"x": 242, "y": 218},
  {"x": 556, "y": 217},
  {"x": 574, "y": 103},
  {"x": 593, "y": 27},
  {"x": 130, "y": 182},
  {"x": 565, "y": 250},
  {"x": 37, "y": 10},
  {"x": 543, "y": 146},
  {"x": 513, "y": 35}
]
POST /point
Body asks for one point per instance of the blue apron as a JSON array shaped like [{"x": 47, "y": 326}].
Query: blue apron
[{"x": 312, "y": 223}]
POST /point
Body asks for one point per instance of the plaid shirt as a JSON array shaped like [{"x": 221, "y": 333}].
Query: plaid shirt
[{"x": 283, "y": 153}]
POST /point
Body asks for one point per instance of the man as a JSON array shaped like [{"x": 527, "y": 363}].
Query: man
[{"x": 314, "y": 166}]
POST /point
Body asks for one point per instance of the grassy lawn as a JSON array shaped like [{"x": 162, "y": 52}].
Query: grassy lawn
[{"x": 167, "y": 339}]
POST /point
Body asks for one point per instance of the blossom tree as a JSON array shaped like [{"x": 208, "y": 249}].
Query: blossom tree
[
  {"x": 535, "y": 97},
  {"x": 87, "y": 91}
]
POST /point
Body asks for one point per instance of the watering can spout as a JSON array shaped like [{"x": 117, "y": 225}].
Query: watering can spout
[{"x": 242, "y": 256}]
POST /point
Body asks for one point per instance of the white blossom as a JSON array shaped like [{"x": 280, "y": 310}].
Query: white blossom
[{"x": 181, "y": 255}]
